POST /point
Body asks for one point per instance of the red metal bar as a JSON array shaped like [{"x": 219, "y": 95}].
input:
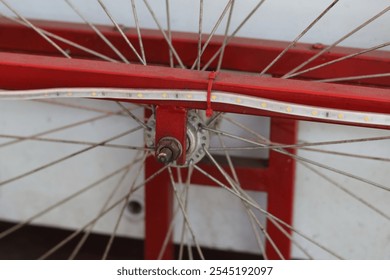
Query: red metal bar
[
  {"x": 158, "y": 211},
  {"x": 241, "y": 54},
  {"x": 281, "y": 186},
  {"x": 28, "y": 71},
  {"x": 251, "y": 177}
]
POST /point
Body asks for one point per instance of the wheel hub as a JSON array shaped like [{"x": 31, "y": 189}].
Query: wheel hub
[{"x": 168, "y": 149}]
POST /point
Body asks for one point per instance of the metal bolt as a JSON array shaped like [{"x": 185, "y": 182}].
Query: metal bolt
[
  {"x": 165, "y": 155},
  {"x": 168, "y": 150}
]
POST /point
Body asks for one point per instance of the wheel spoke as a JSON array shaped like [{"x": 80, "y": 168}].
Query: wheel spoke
[
  {"x": 171, "y": 226},
  {"x": 122, "y": 211},
  {"x": 225, "y": 36},
  {"x": 168, "y": 236},
  {"x": 184, "y": 197},
  {"x": 134, "y": 117},
  {"x": 88, "y": 231},
  {"x": 74, "y": 234},
  {"x": 97, "y": 31},
  {"x": 237, "y": 189},
  {"x": 164, "y": 34},
  {"x": 290, "y": 237},
  {"x": 266, "y": 234},
  {"x": 230, "y": 135},
  {"x": 185, "y": 194},
  {"x": 281, "y": 149},
  {"x": 293, "y": 43},
  {"x": 269, "y": 145},
  {"x": 335, "y": 170},
  {"x": 255, "y": 230},
  {"x": 138, "y": 27},
  {"x": 345, "y": 190},
  {"x": 200, "y": 33},
  {"x": 246, "y": 128},
  {"x": 64, "y": 200},
  {"x": 42, "y": 167},
  {"x": 323, "y": 175},
  {"x": 121, "y": 31},
  {"x": 352, "y": 78},
  {"x": 57, "y": 129},
  {"x": 189, "y": 250},
  {"x": 64, "y": 141},
  {"x": 346, "y": 154},
  {"x": 62, "y": 39},
  {"x": 343, "y": 58},
  {"x": 183, "y": 210},
  {"x": 108, "y": 209},
  {"x": 326, "y": 49},
  {"x": 214, "y": 118},
  {"x": 275, "y": 220},
  {"x": 229, "y": 160},
  {"x": 211, "y": 35},
  {"x": 251, "y": 13},
  {"x": 168, "y": 14},
  {"x": 37, "y": 30},
  {"x": 252, "y": 218}
]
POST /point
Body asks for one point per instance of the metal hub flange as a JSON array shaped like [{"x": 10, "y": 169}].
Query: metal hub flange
[{"x": 168, "y": 149}]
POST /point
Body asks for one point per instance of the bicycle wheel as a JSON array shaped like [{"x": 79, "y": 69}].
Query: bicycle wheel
[{"x": 233, "y": 131}]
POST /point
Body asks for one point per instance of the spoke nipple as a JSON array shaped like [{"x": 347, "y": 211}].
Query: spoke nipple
[{"x": 318, "y": 46}]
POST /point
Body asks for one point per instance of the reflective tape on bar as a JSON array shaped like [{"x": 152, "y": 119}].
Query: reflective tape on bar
[{"x": 291, "y": 109}]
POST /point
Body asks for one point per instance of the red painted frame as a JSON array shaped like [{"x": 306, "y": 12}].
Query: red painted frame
[
  {"x": 276, "y": 178},
  {"x": 241, "y": 54}
]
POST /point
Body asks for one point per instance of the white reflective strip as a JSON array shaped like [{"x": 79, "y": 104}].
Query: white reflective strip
[{"x": 291, "y": 109}]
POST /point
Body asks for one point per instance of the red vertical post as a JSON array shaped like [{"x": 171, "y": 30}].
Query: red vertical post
[
  {"x": 158, "y": 211},
  {"x": 170, "y": 122},
  {"x": 281, "y": 186}
]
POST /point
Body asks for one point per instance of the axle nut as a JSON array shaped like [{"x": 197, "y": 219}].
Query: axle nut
[{"x": 168, "y": 150}]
